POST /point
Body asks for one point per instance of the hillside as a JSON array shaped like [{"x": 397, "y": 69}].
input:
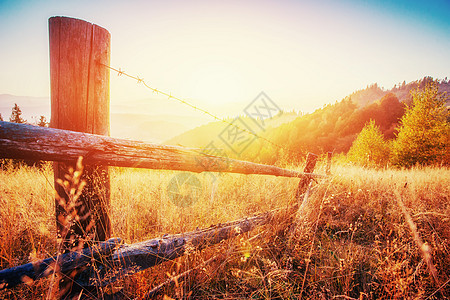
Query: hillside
[
  {"x": 148, "y": 120},
  {"x": 330, "y": 128},
  {"x": 151, "y": 128},
  {"x": 201, "y": 136},
  {"x": 334, "y": 127},
  {"x": 402, "y": 90}
]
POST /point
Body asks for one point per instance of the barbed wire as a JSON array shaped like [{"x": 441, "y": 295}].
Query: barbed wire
[{"x": 139, "y": 80}]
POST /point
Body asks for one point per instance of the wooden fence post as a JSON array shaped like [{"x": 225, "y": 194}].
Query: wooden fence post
[
  {"x": 311, "y": 160},
  {"x": 328, "y": 169},
  {"x": 302, "y": 190},
  {"x": 80, "y": 102}
]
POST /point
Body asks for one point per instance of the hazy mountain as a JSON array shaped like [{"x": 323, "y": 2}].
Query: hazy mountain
[
  {"x": 201, "y": 136},
  {"x": 150, "y": 128},
  {"x": 154, "y": 120},
  {"x": 32, "y": 107},
  {"x": 160, "y": 119},
  {"x": 330, "y": 128},
  {"x": 166, "y": 120},
  {"x": 402, "y": 90}
]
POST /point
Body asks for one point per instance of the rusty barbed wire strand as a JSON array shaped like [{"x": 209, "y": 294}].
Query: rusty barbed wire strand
[{"x": 139, "y": 80}]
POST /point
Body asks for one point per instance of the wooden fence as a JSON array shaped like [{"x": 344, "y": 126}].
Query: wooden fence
[
  {"x": 21, "y": 141},
  {"x": 80, "y": 111}
]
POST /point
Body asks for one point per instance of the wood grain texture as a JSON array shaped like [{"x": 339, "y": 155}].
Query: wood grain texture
[
  {"x": 328, "y": 168},
  {"x": 63, "y": 263},
  {"x": 80, "y": 102},
  {"x": 130, "y": 259},
  {"x": 115, "y": 262},
  {"x": 311, "y": 160},
  {"x": 32, "y": 142}
]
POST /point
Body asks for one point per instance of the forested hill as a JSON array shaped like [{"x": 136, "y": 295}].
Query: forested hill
[
  {"x": 331, "y": 128},
  {"x": 335, "y": 126},
  {"x": 402, "y": 91}
]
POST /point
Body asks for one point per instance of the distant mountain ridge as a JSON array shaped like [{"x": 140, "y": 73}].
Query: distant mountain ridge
[
  {"x": 143, "y": 120},
  {"x": 160, "y": 121},
  {"x": 144, "y": 127},
  {"x": 32, "y": 107},
  {"x": 330, "y": 128},
  {"x": 150, "y": 119},
  {"x": 373, "y": 92},
  {"x": 201, "y": 136}
]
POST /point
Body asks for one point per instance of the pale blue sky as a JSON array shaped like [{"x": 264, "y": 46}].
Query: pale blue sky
[{"x": 302, "y": 54}]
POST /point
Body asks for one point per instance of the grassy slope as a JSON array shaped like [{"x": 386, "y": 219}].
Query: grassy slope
[
  {"x": 352, "y": 234},
  {"x": 201, "y": 136}
]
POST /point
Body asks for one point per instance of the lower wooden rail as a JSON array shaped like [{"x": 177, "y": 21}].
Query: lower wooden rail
[
  {"x": 63, "y": 263},
  {"x": 114, "y": 261}
]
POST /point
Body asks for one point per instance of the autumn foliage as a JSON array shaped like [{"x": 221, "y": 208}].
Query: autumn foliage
[
  {"x": 424, "y": 135},
  {"x": 370, "y": 149}
]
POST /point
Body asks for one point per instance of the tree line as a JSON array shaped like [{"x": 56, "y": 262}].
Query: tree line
[
  {"x": 415, "y": 131},
  {"x": 16, "y": 117},
  {"x": 384, "y": 132},
  {"x": 423, "y": 136}
]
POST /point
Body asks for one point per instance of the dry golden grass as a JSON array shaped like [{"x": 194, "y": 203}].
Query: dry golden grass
[{"x": 352, "y": 239}]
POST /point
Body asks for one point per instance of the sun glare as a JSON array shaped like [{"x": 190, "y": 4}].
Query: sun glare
[{"x": 215, "y": 83}]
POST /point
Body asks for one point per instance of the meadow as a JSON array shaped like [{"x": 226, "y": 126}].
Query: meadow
[{"x": 363, "y": 234}]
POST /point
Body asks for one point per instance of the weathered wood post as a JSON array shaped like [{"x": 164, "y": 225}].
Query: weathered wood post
[
  {"x": 80, "y": 102},
  {"x": 301, "y": 195},
  {"x": 329, "y": 156},
  {"x": 311, "y": 160}
]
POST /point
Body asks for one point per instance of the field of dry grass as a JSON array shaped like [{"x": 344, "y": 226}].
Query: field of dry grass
[{"x": 351, "y": 240}]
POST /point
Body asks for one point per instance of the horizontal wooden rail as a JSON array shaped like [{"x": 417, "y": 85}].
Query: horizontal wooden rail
[
  {"x": 63, "y": 263},
  {"x": 120, "y": 261},
  {"x": 22, "y": 141},
  {"x": 130, "y": 259}
]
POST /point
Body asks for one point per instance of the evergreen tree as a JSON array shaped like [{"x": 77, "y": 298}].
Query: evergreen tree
[
  {"x": 16, "y": 115},
  {"x": 42, "y": 121},
  {"x": 424, "y": 135},
  {"x": 369, "y": 149}
]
